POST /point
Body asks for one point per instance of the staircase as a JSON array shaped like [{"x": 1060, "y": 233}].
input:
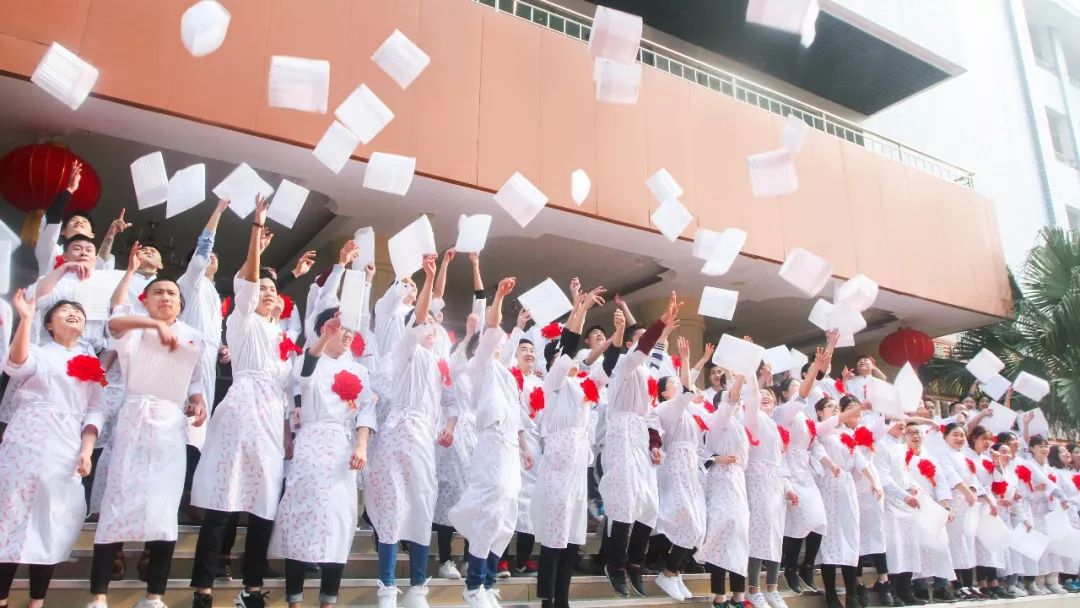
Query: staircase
[{"x": 70, "y": 586}]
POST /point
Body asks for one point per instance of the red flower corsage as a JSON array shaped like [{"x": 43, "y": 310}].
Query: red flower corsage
[
  {"x": 86, "y": 368},
  {"x": 347, "y": 386},
  {"x": 287, "y": 347}
]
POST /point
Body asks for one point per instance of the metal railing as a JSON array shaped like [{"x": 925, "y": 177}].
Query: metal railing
[{"x": 576, "y": 25}]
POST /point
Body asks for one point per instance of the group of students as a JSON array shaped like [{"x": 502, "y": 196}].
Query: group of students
[{"x": 489, "y": 435}]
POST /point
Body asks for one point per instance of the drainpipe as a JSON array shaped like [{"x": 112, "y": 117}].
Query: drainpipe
[{"x": 1014, "y": 6}]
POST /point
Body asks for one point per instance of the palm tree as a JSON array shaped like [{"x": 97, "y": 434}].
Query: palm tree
[{"x": 1042, "y": 338}]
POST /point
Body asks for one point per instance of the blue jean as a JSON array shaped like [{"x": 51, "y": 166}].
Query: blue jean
[
  {"x": 481, "y": 571},
  {"x": 418, "y": 558}
]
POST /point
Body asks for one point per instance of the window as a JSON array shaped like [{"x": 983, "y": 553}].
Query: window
[
  {"x": 1074, "y": 217},
  {"x": 1060, "y": 137},
  {"x": 1040, "y": 45}
]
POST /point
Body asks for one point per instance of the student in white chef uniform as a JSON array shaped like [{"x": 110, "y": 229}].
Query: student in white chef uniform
[
  {"x": 488, "y": 510},
  {"x": 316, "y": 520},
  {"x": 42, "y": 457},
  {"x": 150, "y": 435},
  {"x": 400, "y": 486},
  {"x": 241, "y": 467}
]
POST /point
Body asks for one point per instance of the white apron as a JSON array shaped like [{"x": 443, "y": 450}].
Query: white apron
[
  {"x": 840, "y": 546},
  {"x": 560, "y": 504},
  {"x": 628, "y": 486},
  {"x": 727, "y": 519},
  {"x": 487, "y": 512}
]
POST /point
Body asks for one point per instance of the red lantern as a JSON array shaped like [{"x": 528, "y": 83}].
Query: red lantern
[
  {"x": 907, "y": 345},
  {"x": 31, "y": 177}
]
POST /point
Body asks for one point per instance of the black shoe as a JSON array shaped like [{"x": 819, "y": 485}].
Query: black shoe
[
  {"x": 637, "y": 580},
  {"x": 945, "y": 596},
  {"x": 806, "y": 575},
  {"x": 833, "y": 601},
  {"x": 202, "y": 600},
  {"x": 251, "y": 600},
  {"x": 922, "y": 595},
  {"x": 269, "y": 572},
  {"x": 618, "y": 582},
  {"x": 863, "y": 595},
  {"x": 526, "y": 567},
  {"x": 908, "y": 598},
  {"x": 691, "y": 566},
  {"x": 791, "y": 577},
  {"x": 1000, "y": 593},
  {"x": 851, "y": 600},
  {"x": 885, "y": 594},
  {"x": 224, "y": 571}
]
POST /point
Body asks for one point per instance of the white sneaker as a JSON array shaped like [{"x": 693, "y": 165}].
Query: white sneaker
[
  {"x": 1056, "y": 588},
  {"x": 476, "y": 598},
  {"x": 774, "y": 599},
  {"x": 493, "y": 597},
  {"x": 1017, "y": 590},
  {"x": 416, "y": 596},
  {"x": 449, "y": 571},
  {"x": 146, "y": 603},
  {"x": 670, "y": 585},
  {"x": 685, "y": 590},
  {"x": 757, "y": 599},
  {"x": 387, "y": 596},
  {"x": 1037, "y": 589}
]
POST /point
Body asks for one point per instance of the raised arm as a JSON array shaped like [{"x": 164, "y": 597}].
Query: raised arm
[
  {"x": 700, "y": 365},
  {"x": 440, "y": 277},
  {"x": 115, "y": 227},
  {"x": 120, "y": 294},
  {"x": 25, "y": 308},
  {"x": 477, "y": 280},
  {"x": 625, "y": 308},
  {"x": 53, "y": 221},
  {"x": 423, "y": 299},
  {"x": 494, "y": 315},
  {"x": 250, "y": 270}
]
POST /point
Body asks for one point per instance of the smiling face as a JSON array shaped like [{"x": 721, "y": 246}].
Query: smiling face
[
  {"x": 956, "y": 438},
  {"x": 65, "y": 322},
  {"x": 864, "y": 366},
  {"x": 983, "y": 443},
  {"x": 267, "y": 297},
  {"x": 913, "y": 436},
  {"x": 1003, "y": 456},
  {"x": 768, "y": 401},
  {"x": 163, "y": 300},
  {"x": 150, "y": 260},
  {"x": 716, "y": 378},
  {"x": 830, "y": 409},
  {"x": 77, "y": 224},
  {"x": 1066, "y": 457},
  {"x": 595, "y": 338},
  {"x": 525, "y": 355},
  {"x": 1040, "y": 452}
]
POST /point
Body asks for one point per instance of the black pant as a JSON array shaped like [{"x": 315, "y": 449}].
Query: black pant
[
  {"x": 553, "y": 578},
  {"x": 88, "y": 481},
  {"x": 965, "y": 577},
  {"x": 850, "y": 574},
  {"x": 444, "y": 535},
  {"x": 157, "y": 570},
  {"x": 789, "y": 559},
  {"x": 716, "y": 580},
  {"x": 40, "y": 576},
  {"x": 328, "y": 586},
  {"x": 626, "y": 545},
  {"x": 211, "y": 538},
  {"x": 986, "y": 573},
  {"x": 193, "y": 455},
  {"x": 525, "y": 545},
  {"x": 229, "y": 539},
  {"x": 879, "y": 562}
]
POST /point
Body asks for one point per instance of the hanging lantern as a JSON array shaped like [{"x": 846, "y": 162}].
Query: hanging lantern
[
  {"x": 906, "y": 345},
  {"x": 31, "y": 177}
]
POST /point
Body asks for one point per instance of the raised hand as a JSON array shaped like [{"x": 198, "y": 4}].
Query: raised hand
[
  {"x": 429, "y": 265},
  {"x": 277, "y": 308},
  {"x": 448, "y": 255},
  {"x": 80, "y": 270},
  {"x": 75, "y": 176},
  {"x": 595, "y": 298},
  {"x": 619, "y": 321},
  {"x": 575, "y": 288},
  {"x": 709, "y": 348},
  {"x": 222, "y": 205},
  {"x": 506, "y": 286},
  {"x": 684, "y": 348},
  {"x": 261, "y": 207},
  {"x": 304, "y": 264},
  {"x": 524, "y": 316},
  {"x": 349, "y": 252},
  {"x": 24, "y": 307},
  {"x": 471, "y": 323},
  {"x": 117, "y": 226},
  {"x": 265, "y": 238},
  {"x": 671, "y": 317},
  {"x": 369, "y": 272},
  {"x": 133, "y": 256}
]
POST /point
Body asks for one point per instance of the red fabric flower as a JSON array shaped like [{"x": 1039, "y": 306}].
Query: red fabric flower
[
  {"x": 358, "y": 345},
  {"x": 942, "y": 429},
  {"x": 226, "y": 306},
  {"x": 592, "y": 393},
  {"x": 347, "y": 386},
  {"x": 864, "y": 437},
  {"x": 444, "y": 371},
  {"x": 287, "y": 347},
  {"x": 58, "y": 262},
  {"x": 701, "y": 423},
  {"x": 536, "y": 402},
  {"x": 142, "y": 299},
  {"x": 286, "y": 307},
  {"x": 551, "y": 331},
  {"x": 1052, "y": 477},
  {"x": 519, "y": 378},
  {"x": 582, "y": 374},
  {"x": 839, "y": 384},
  {"x": 907, "y": 457},
  {"x": 785, "y": 436},
  {"x": 998, "y": 488},
  {"x": 928, "y": 471},
  {"x": 1076, "y": 481},
  {"x": 86, "y": 368},
  {"x": 750, "y": 437},
  {"x": 654, "y": 389},
  {"x": 988, "y": 465},
  {"x": 970, "y": 465},
  {"x": 676, "y": 361},
  {"x": 849, "y": 441},
  {"x": 1024, "y": 474},
  {"x": 811, "y": 428}
]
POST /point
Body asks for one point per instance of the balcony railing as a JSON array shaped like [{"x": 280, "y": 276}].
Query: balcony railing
[{"x": 576, "y": 25}]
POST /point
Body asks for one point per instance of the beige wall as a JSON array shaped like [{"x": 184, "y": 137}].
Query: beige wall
[{"x": 502, "y": 95}]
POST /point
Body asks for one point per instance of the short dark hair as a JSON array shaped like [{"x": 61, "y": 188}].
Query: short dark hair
[
  {"x": 1005, "y": 436},
  {"x": 597, "y": 327},
  {"x": 1036, "y": 440},
  {"x": 806, "y": 368},
  {"x": 951, "y": 427},
  {"x": 75, "y": 214},
  {"x": 78, "y": 238},
  {"x": 266, "y": 273},
  {"x": 323, "y": 317},
  {"x": 636, "y": 326},
  {"x": 146, "y": 289},
  {"x": 847, "y": 401},
  {"x": 975, "y": 433},
  {"x": 52, "y": 309},
  {"x": 525, "y": 341}
]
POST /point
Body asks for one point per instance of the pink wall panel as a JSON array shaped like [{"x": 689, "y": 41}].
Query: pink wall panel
[
  {"x": 817, "y": 217},
  {"x": 325, "y": 37},
  {"x": 863, "y": 183},
  {"x": 46, "y": 21},
  {"x": 19, "y": 55},
  {"x": 719, "y": 170},
  {"x": 669, "y": 125},
  {"x": 141, "y": 69},
  {"x": 228, "y": 86},
  {"x": 567, "y": 121},
  {"x": 751, "y": 131},
  {"x": 509, "y": 101},
  {"x": 446, "y": 104},
  {"x": 622, "y": 163}
]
